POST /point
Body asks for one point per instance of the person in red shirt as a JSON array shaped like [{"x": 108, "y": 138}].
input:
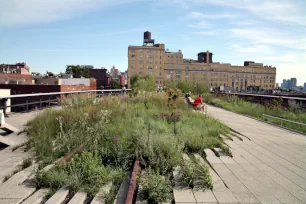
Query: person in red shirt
[{"x": 198, "y": 103}]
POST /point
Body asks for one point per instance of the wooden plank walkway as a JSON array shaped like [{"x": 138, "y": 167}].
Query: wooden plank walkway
[{"x": 268, "y": 167}]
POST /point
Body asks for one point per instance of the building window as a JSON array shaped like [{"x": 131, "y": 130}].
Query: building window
[
  {"x": 141, "y": 66},
  {"x": 149, "y": 51},
  {"x": 133, "y": 61},
  {"x": 169, "y": 66},
  {"x": 140, "y": 51},
  {"x": 133, "y": 50},
  {"x": 132, "y": 67},
  {"x": 149, "y": 73},
  {"x": 187, "y": 67},
  {"x": 133, "y": 56},
  {"x": 141, "y": 56},
  {"x": 140, "y": 61},
  {"x": 140, "y": 73},
  {"x": 149, "y": 62},
  {"x": 149, "y": 56},
  {"x": 178, "y": 76},
  {"x": 178, "y": 66},
  {"x": 149, "y": 67}
]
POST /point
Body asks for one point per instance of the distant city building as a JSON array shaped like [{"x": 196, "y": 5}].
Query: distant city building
[
  {"x": 293, "y": 82},
  {"x": 153, "y": 59},
  {"x": 123, "y": 78},
  {"x": 18, "y": 68},
  {"x": 29, "y": 89},
  {"x": 68, "y": 81},
  {"x": 305, "y": 87},
  {"x": 101, "y": 77},
  {"x": 277, "y": 85},
  {"x": 289, "y": 84},
  {"x": 18, "y": 73},
  {"x": 114, "y": 73}
]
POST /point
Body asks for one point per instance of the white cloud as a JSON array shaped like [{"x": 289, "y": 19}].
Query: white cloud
[
  {"x": 182, "y": 3},
  {"x": 281, "y": 11},
  {"x": 20, "y": 12},
  {"x": 211, "y": 32},
  {"x": 272, "y": 37},
  {"x": 200, "y": 25},
  {"x": 259, "y": 49},
  {"x": 199, "y": 15},
  {"x": 202, "y": 18}
]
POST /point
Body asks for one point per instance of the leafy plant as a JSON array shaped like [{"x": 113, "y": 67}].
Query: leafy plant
[
  {"x": 195, "y": 174},
  {"x": 155, "y": 187}
]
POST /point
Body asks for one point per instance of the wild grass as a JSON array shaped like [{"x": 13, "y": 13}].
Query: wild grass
[
  {"x": 237, "y": 105},
  {"x": 155, "y": 187},
  {"x": 115, "y": 131},
  {"x": 195, "y": 174}
]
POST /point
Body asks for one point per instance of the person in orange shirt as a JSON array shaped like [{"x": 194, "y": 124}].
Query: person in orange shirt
[{"x": 198, "y": 103}]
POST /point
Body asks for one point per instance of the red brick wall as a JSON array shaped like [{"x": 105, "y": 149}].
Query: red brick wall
[
  {"x": 27, "y": 78},
  {"x": 66, "y": 88},
  {"x": 93, "y": 84}
]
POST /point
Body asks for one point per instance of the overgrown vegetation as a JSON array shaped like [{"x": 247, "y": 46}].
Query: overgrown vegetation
[
  {"x": 187, "y": 85},
  {"x": 195, "y": 174},
  {"x": 155, "y": 187},
  {"x": 255, "y": 110},
  {"x": 115, "y": 131}
]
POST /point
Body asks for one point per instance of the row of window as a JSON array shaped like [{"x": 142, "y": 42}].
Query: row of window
[
  {"x": 147, "y": 51},
  {"x": 148, "y": 56},
  {"x": 142, "y": 61}
]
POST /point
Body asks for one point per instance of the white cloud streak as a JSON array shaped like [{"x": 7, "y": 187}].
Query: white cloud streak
[
  {"x": 271, "y": 37},
  {"x": 282, "y": 11},
  {"x": 24, "y": 12}
]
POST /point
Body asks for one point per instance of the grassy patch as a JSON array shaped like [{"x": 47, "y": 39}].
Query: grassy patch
[
  {"x": 156, "y": 188},
  {"x": 115, "y": 131},
  {"x": 195, "y": 174},
  {"x": 255, "y": 110}
]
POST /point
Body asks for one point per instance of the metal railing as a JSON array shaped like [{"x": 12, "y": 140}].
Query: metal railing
[
  {"x": 52, "y": 97},
  {"x": 268, "y": 96},
  {"x": 282, "y": 119}
]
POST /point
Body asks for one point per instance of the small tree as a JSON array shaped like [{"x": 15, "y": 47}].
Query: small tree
[
  {"x": 134, "y": 79},
  {"x": 115, "y": 84},
  {"x": 145, "y": 84}
]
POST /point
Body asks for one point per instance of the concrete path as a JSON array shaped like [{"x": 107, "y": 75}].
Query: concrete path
[{"x": 268, "y": 166}]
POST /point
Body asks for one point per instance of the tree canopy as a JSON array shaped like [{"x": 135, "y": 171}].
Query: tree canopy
[
  {"x": 78, "y": 71},
  {"x": 186, "y": 85},
  {"x": 146, "y": 83}
]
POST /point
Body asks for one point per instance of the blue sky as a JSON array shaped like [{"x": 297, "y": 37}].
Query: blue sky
[{"x": 48, "y": 34}]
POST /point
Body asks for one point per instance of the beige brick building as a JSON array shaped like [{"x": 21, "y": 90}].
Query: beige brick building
[{"x": 153, "y": 59}]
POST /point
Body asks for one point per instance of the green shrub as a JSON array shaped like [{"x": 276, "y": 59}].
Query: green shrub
[
  {"x": 155, "y": 187},
  {"x": 195, "y": 174}
]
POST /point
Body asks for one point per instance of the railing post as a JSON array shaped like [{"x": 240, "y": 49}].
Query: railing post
[
  {"x": 27, "y": 104},
  {"x": 49, "y": 101},
  {"x": 5, "y": 107},
  {"x": 40, "y": 104}
]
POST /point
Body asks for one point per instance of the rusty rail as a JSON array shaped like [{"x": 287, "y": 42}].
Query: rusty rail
[
  {"x": 69, "y": 155},
  {"x": 133, "y": 183}
]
